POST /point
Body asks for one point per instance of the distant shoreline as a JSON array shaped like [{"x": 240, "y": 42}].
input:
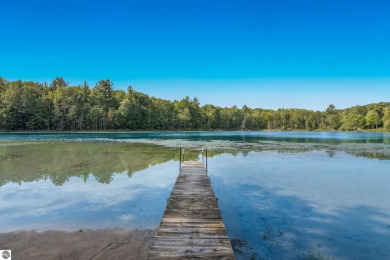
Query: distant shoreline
[{"x": 189, "y": 131}]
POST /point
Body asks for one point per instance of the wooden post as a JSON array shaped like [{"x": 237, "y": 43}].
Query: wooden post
[
  {"x": 206, "y": 160},
  {"x": 180, "y": 160}
]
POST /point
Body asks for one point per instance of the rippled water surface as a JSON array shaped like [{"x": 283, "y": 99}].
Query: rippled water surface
[
  {"x": 300, "y": 137},
  {"x": 325, "y": 203},
  {"x": 304, "y": 205}
]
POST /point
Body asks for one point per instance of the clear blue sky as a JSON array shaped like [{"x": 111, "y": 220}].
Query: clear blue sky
[{"x": 268, "y": 54}]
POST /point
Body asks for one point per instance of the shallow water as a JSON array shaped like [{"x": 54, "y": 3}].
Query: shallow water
[
  {"x": 298, "y": 137},
  {"x": 278, "y": 204},
  {"x": 69, "y": 186},
  {"x": 287, "y": 206}
]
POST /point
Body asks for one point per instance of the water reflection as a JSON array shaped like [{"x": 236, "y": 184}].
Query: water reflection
[
  {"x": 298, "y": 206},
  {"x": 138, "y": 202},
  {"x": 65, "y": 185},
  {"x": 58, "y": 162},
  {"x": 331, "y": 153}
]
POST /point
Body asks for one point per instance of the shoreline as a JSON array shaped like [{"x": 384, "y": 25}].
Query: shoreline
[
  {"x": 380, "y": 130},
  {"x": 100, "y": 244},
  {"x": 363, "y": 148}
]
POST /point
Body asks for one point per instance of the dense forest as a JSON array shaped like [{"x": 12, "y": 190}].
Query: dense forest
[{"x": 26, "y": 105}]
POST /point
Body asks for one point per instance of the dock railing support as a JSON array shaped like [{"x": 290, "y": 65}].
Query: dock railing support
[
  {"x": 206, "y": 161},
  {"x": 180, "y": 159}
]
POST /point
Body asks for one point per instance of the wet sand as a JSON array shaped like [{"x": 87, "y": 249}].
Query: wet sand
[{"x": 82, "y": 244}]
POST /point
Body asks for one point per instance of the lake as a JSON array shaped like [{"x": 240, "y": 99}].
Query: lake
[{"x": 283, "y": 195}]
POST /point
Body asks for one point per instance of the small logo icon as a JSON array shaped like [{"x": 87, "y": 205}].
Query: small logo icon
[{"x": 5, "y": 254}]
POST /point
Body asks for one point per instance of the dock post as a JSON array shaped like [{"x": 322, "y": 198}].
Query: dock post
[
  {"x": 180, "y": 160},
  {"x": 206, "y": 162}
]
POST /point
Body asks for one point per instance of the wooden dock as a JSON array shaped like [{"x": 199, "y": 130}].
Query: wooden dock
[{"x": 192, "y": 225}]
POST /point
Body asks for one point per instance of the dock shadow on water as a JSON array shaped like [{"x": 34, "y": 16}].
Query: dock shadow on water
[{"x": 275, "y": 207}]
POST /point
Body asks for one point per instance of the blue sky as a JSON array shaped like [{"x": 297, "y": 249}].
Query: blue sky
[{"x": 268, "y": 54}]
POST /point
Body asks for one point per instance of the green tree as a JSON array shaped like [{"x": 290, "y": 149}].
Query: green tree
[
  {"x": 183, "y": 113},
  {"x": 3, "y": 83},
  {"x": 210, "y": 117},
  {"x": 103, "y": 94},
  {"x": 85, "y": 98},
  {"x": 35, "y": 106},
  {"x": 58, "y": 83},
  {"x": 353, "y": 118},
  {"x": 102, "y": 102},
  {"x": 311, "y": 122},
  {"x": 332, "y": 118},
  {"x": 372, "y": 119},
  {"x": 386, "y": 118},
  {"x": 13, "y": 108}
]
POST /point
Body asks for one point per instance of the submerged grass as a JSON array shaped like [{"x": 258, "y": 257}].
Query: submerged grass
[{"x": 58, "y": 160}]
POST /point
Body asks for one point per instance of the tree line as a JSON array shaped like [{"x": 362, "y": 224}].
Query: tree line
[{"x": 34, "y": 106}]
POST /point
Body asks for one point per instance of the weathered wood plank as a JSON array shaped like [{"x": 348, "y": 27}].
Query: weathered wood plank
[
  {"x": 215, "y": 224},
  {"x": 197, "y": 215},
  {"x": 188, "y": 256},
  {"x": 191, "y": 242},
  {"x": 192, "y": 225},
  {"x": 189, "y": 220},
  {"x": 195, "y": 206}
]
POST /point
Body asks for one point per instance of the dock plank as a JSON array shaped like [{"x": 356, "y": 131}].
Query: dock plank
[{"x": 192, "y": 225}]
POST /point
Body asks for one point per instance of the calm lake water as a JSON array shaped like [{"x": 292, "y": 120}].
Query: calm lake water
[
  {"x": 299, "y": 137},
  {"x": 279, "y": 204}
]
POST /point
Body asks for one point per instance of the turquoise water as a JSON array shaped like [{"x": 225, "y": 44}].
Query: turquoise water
[
  {"x": 299, "y": 137},
  {"x": 279, "y": 204}
]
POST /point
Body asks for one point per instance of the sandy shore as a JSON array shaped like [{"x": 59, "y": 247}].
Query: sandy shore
[{"x": 83, "y": 244}]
